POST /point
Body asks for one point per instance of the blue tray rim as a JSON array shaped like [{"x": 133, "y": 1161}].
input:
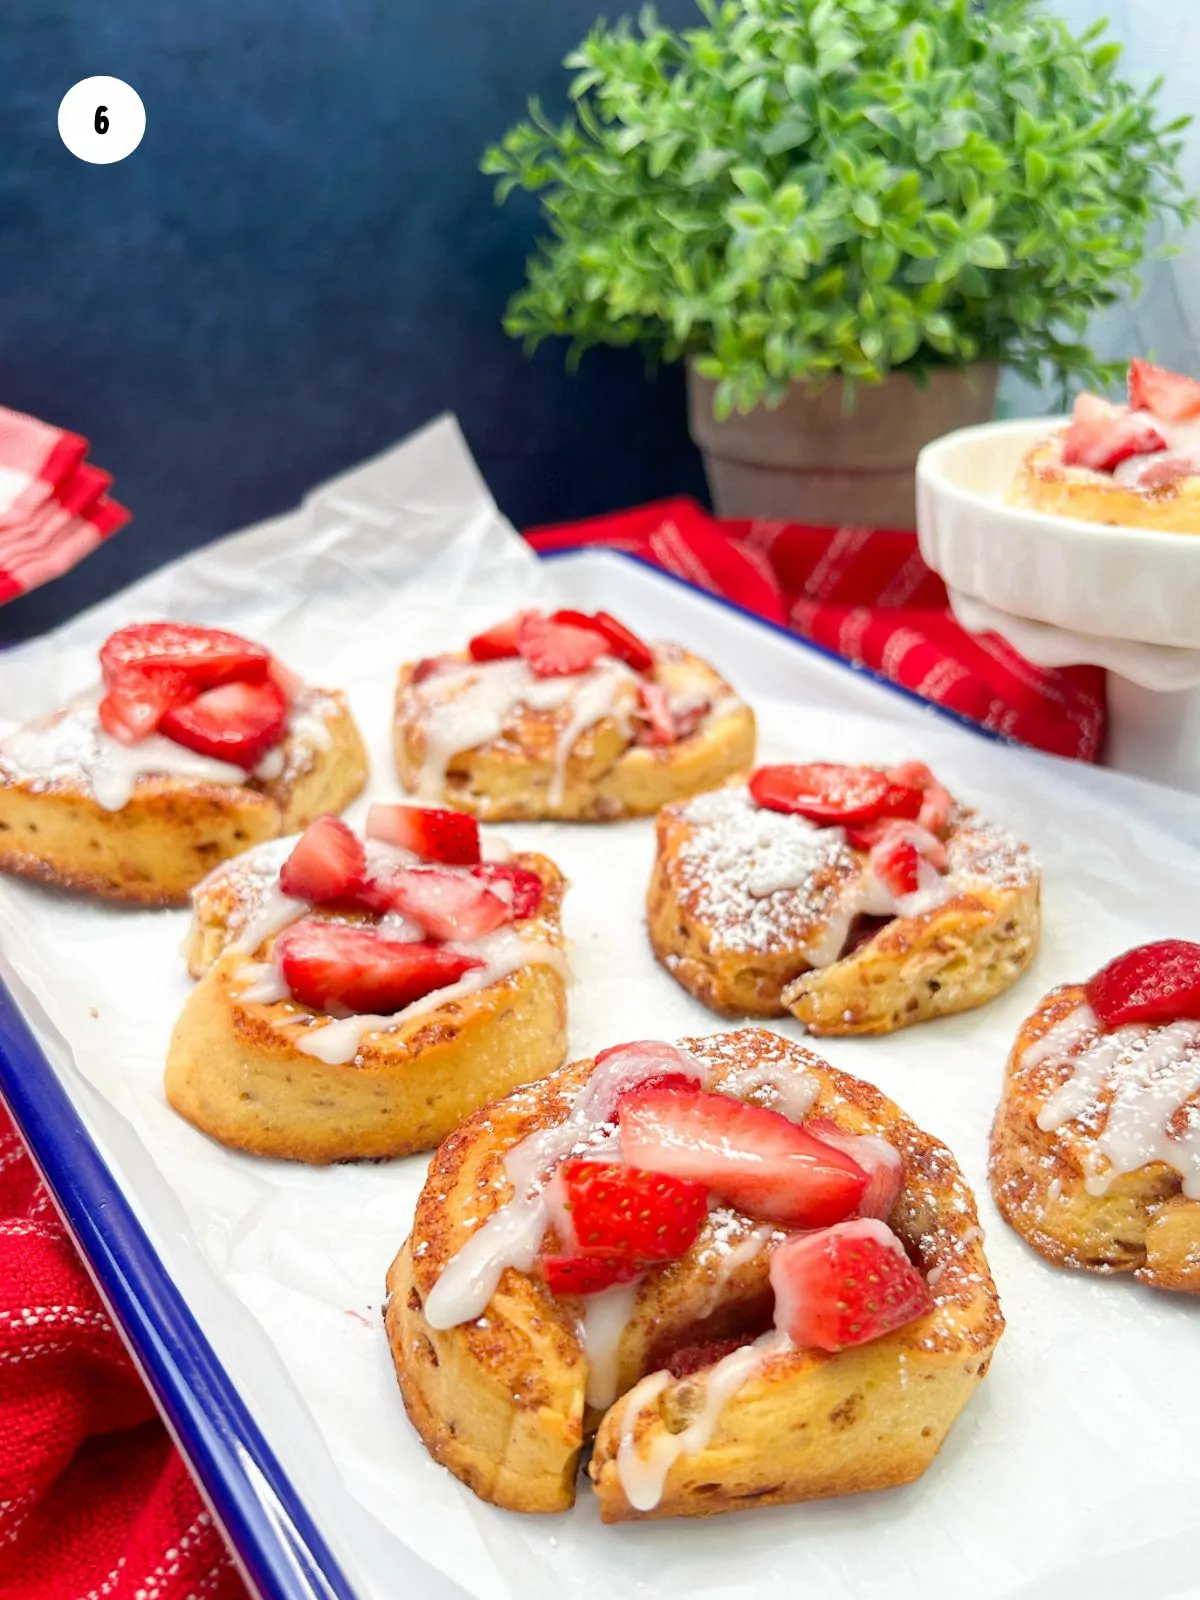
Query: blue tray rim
[{"x": 274, "y": 1539}]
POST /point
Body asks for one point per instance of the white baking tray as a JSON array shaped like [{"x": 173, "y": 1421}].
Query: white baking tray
[{"x": 251, "y": 1290}]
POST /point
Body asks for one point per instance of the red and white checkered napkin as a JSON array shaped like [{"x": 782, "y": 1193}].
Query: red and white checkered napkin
[{"x": 54, "y": 505}]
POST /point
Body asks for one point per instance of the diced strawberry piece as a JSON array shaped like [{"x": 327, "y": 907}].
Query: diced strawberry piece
[
  {"x": 656, "y": 1080},
  {"x": 331, "y": 964},
  {"x": 237, "y": 722},
  {"x": 688, "y": 717},
  {"x": 448, "y": 905},
  {"x": 622, "y": 1212},
  {"x": 208, "y": 656},
  {"x": 288, "y": 683},
  {"x": 656, "y": 726},
  {"x": 528, "y": 890},
  {"x": 622, "y": 643},
  {"x": 427, "y": 666},
  {"x": 498, "y": 642},
  {"x": 556, "y": 649},
  {"x": 585, "y": 1274},
  {"x": 870, "y": 835},
  {"x": 699, "y": 1357},
  {"x": 430, "y": 832},
  {"x": 328, "y": 863},
  {"x": 1101, "y": 436},
  {"x": 136, "y": 702},
  {"x": 755, "y": 1159},
  {"x": 829, "y": 794},
  {"x": 897, "y": 865},
  {"x": 1167, "y": 395},
  {"x": 1154, "y": 983},
  {"x": 845, "y": 1286},
  {"x": 881, "y": 1161},
  {"x": 933, "y": 813}
]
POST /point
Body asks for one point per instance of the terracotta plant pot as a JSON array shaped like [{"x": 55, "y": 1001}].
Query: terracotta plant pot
[{"x": 809, "y": 460}]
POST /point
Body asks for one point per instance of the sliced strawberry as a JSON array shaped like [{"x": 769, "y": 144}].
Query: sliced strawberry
[
  {"x": 585, "y": 1274},
  {"x": 1167, "y": 395},
  {"x": 497, "y": 642},
  {"x": 430, "y": 832},
  {"x": 1101, "y": 436},
  {"x": 896, "y": 863},
  {"x": 622, "y": 1212},
  {"x": 656, "y": 726},
  {"x": 656, "y": 1080},
  {"x": 208, "y": 656},
  {"x": 331, "y": 965},
  {"x": 755, "y": 1159},
  {"x": 845, "y": 1286},
  {"x": 933, "y": 813},
  {"x": 237, "y": 722},
  {"x": 698, "y": 1357},
  {"x": 528, "y": 890},
  {"x": 829, "y": 794},
  {"x": 622, "y": 643},
  {"x": 448, "y": 905},
  {"x": 1154, "y": 983},
  {"x": 137, "y": 702},
  {"x": 688, "y": 716},
  {"x": 328, "y": 863},
  {"x": 881, "y": 1161},
  {"x": 556, "y": 649}
]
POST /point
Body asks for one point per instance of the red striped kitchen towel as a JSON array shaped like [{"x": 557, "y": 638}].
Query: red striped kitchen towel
[
  {"x": 866, "y": 594},
  {"x": 54, "y": 505},
  {"x": 94, "y": 1498}
]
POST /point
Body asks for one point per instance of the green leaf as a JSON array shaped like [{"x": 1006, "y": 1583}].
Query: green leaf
[
  {"x": 1037, "y": 169},
  {"x": 986, "y": 251},
  {"x": 704, "y": 166},
  {"x": 866, "y": 209},
  {"x": 789, "y": 133},
  {"x": 663, "y": 152},
  {"x": 751, "y": 182}
]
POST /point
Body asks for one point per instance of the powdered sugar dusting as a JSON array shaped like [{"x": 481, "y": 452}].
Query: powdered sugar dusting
[{"x": 758, "y": 879}]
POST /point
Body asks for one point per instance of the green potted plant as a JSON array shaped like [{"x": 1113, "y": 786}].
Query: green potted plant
[{"x": 845, "y": 215}]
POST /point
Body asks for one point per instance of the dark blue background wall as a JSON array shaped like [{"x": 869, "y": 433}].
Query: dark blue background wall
[{"x": 299, "y": 264}]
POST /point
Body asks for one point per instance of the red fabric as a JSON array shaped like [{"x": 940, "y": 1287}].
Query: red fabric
[
  {"x": 54, "y": 506},
  {"x": 867, "y": 595},
  {"x": 95, "y": 1502}
]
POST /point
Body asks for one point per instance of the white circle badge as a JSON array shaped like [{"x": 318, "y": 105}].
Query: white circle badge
[{"x": 101, "y": 120}]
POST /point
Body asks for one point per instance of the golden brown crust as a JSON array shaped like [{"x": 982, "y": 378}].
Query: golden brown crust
[
  {"x": 606, "y": 778},
  {"x": 952, "y": 958},
  {"x": 236, "y": 1075},
  {"x": 1142, "y": 1224},
  {"x": 154, "y": 850},
  {"x": 501, "y": 1401},
  {"x": 1043, "y": 483}
]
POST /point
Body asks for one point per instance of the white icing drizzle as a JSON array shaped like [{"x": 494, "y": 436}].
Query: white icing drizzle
[
  {"x": 792, "y": 1093},
  {"x": 265, "y": 983},
  {"x": 502, "y": 953},
  {"x": 605, "y": 1318},
  {"x": 730, "y": 1245},
  {"x": 463, "y": 705},
  {"x": 1147, "y": 1073},
  {"x": 70, "y": 745},
  {"x": 512, "y": 1235},
  {"x": 643, "y": 1476}
]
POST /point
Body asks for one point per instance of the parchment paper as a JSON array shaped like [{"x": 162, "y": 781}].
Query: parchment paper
[{"x": 1074, "y": 1469}]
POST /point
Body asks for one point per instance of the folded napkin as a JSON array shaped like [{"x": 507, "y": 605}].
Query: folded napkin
[
  {"x": 867, "y": 595},
  {"x": 94, "y": 1497},
  {"x": 54, "y": 506}
]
